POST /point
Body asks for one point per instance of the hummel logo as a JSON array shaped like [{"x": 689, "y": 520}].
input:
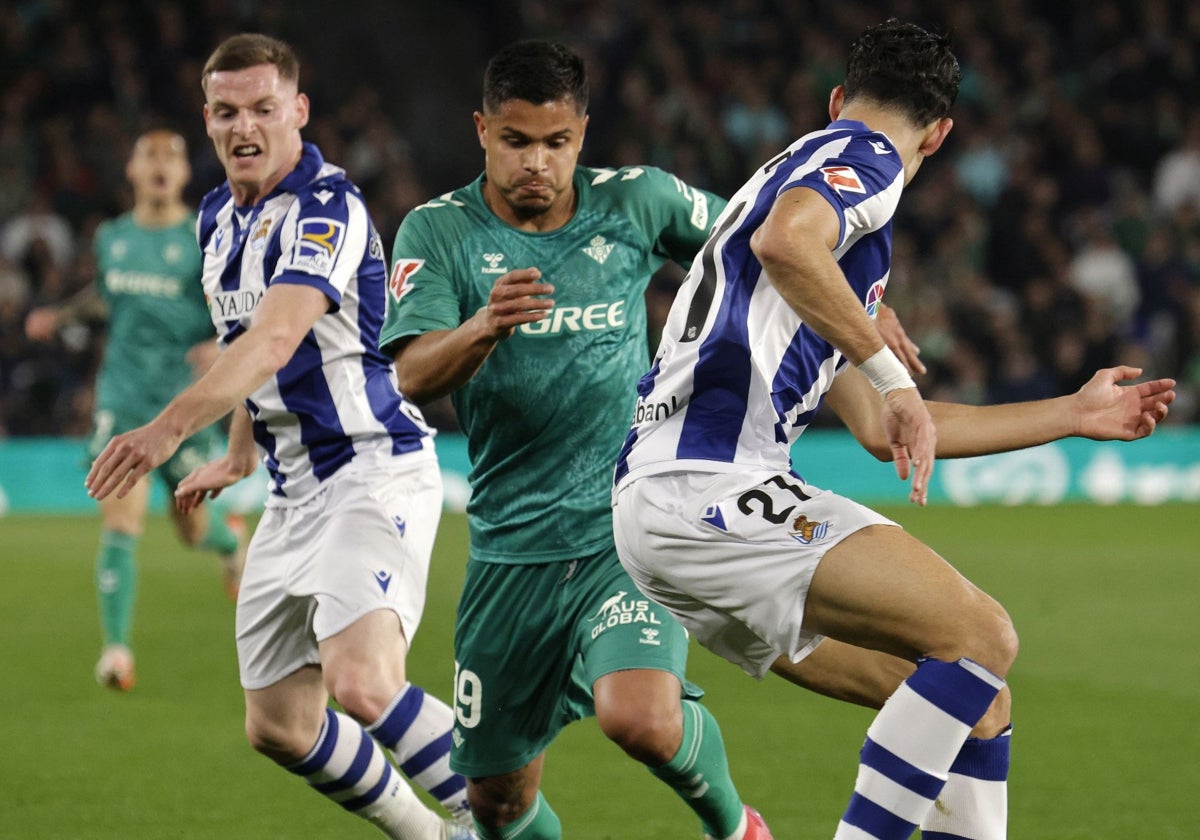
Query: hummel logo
[
  {"x": 493, "y": 261},
  {"x": 323, "y": 196},
  {"x": 649, "y": 637},
  {"x": 879, "y": 147},
  {"x": 401, "y": 525},
  {"x": 384, "y": 579},
  {"x": 598, "y": 249}
]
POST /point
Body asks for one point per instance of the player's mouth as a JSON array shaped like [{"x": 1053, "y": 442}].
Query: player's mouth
[{"x": 248, "y": 151}]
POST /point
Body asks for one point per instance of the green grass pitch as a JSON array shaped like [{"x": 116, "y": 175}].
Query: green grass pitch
[{"x": 1106, "y": 694}]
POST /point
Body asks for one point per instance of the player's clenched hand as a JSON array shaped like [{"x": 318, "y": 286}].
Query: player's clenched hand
[
  {"x": 1108, "y": 410},
  {"x": 127, "y": 458},
  {"x": 892, "y": 332},
  {"x": 206, "y": 481},
  {"x": 514, "y": 300},
  {"x": 912, "y": 437}
]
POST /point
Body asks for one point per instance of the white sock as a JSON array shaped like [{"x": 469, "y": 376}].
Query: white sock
[
  {"x": 415, "y": 727},
  {"x": 910, "y": 746},
  {"x": 347, "y": 766},
  {"x": 974, "y": 803}
]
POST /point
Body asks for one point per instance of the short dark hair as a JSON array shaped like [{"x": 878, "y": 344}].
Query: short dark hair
[
  {"x": 250, "y": 49},
  {"x": 537, "y": 72},
  {"x": 903, "y": 66}
]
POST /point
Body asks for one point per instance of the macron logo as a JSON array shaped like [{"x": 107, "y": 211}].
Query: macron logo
[
  {"x": 401, "y": 525},
  {"x": 323, "y": 196},
  {"x": 384, "y": 579}
]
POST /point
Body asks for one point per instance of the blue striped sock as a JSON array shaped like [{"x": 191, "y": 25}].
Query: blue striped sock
[
  {"x": 416, "y": 729},
  {"x": 911, "y": 745},
  {"x": 974, "y": 803},
  {"x": 348, "y": 767}
]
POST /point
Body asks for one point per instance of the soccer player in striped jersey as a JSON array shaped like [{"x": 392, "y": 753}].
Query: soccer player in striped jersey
[
  {"x": 550, "y": 629},
  {"x": 160, "y": 335},
  {"x": 334, "y": 583},
  {"x": 772, "y": 573}
]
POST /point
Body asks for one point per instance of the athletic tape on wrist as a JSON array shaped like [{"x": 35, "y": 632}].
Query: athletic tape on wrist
[{"x": 886, "y": 372}]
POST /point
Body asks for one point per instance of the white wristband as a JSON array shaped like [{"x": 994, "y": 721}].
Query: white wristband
[{"x": 886, "y": 372}]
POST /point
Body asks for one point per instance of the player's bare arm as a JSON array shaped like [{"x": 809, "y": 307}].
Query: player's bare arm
[
  {"x": 284, "y": 316},
  {"x": 1103, "y": 409},
  {"x": 438, "y": 362},
  {"x": 795, "y": 246},
  {"x": 208, "y": 480},
  {"x": 896, "y": 337}
]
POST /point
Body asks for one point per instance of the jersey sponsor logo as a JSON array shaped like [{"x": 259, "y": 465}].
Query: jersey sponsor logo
[
  {"x": 598, "y": 249},
  {"x": 234, "y": 305},
  {"x": 493, "y": 264},
  {"x": 875, "y": 297},
  {"x": 317, "y": 244},
  {"x": 617, "y": 611},
  {"x": 656, "y": 412},
  {"x": 805, "y": 531},
  {"x": 573, "y": 319},
  {"x": 843, "y": 179},
  {"x": 141, "y": 283},
  {"x": 402, "y": 272}
]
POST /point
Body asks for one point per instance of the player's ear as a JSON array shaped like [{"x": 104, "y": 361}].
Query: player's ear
[
  {"x": 935, "y": 134},
  {"x": 837, "y": 100},
  {"x": 481, "y": 129},
  {"x": 301, "y": 110}
]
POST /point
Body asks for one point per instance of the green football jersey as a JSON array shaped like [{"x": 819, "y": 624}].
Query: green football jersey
[
  {"x": 150, "y": 279},
  {"x": 547, "y": 412}
]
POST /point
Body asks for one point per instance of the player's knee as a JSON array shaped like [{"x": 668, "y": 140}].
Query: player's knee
[
  {"x": 283, "y": 745},
  {"x": 650, "y": 734}
]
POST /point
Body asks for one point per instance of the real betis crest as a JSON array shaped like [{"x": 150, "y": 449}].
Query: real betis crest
[{"x": 598, "y": 249}]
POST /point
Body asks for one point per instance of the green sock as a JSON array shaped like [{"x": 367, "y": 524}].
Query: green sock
[
  {"x": 700, "y": 767},
  {"x": 218, "y": 537},
  {"x": 538, "y": 823},
  {"x": 116, "y": 585}
]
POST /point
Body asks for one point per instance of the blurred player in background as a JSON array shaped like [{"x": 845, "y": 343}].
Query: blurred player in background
[
  {"x": 160, "y": 336},
  {"x": 522, "y": 295},
  {"x": 334, "y": 584},
  {"x": 760, "y": 566}
]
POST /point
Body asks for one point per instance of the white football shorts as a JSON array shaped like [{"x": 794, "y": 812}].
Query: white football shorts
[
  {"x": 361, "y": 543},
  {"x": 731, "y": 555}
]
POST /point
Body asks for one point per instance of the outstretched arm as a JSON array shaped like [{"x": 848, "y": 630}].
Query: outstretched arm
[
  {"x": 435, "y": 363},
  {"x": 284, "y": 316},
  {"x": 1103, "y": 409}
]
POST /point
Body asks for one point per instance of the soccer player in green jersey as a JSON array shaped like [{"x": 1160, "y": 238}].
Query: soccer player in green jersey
[
  {"x": 521, "y": 295},
  {"x": 159, "y": 334}
]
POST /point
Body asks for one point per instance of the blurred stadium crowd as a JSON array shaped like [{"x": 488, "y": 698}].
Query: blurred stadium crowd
[{"x": 1056, "y": 232}]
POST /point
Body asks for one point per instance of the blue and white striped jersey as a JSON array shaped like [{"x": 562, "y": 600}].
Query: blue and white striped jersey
[
  {"x": 336, "y": 399},
  {"x": 739, "y": 375}
]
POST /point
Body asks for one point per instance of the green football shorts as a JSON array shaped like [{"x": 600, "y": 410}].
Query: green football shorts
[{"x": 529, "y": 642}]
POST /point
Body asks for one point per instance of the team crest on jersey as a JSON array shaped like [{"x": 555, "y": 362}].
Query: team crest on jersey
[
  {"x": 172, "y": 253},
  {"x": 402, "y": 272},
  {"x": 843, "y": 179},
  {"x": 259, "y": 239},
  {"x": 805, "y": 531},
  {"x": 493, "y": 264},
  {"x": 119, "y": 249},
  {"x": 875, "y": 297},
  {"x": 317, "y": 243},
  {"x": 598, "y": 249}
]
